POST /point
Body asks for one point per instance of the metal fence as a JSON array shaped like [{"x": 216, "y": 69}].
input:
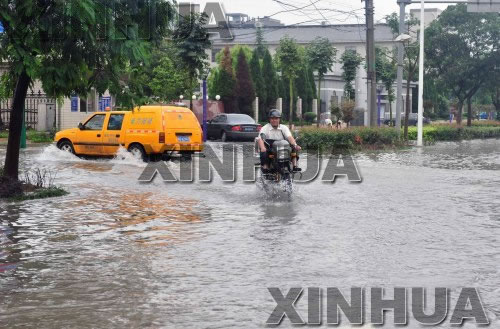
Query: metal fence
[{"x": 33, "y": 100}]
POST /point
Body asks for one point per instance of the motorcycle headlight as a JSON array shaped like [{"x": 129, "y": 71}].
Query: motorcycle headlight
[{"x": 283, "y": 154}]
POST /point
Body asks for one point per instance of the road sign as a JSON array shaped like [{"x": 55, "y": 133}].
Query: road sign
[
  {"x": 483, "y": 6},
  {"x": 1, "y": 28}
]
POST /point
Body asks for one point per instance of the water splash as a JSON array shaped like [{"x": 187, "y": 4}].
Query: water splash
[{"x": 52, "y": 154}]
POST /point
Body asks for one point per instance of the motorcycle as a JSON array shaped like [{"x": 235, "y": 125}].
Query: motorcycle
[{"x": 280, "y": 169}]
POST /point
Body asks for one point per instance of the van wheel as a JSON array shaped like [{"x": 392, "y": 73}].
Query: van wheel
[
  {"x": 223, "y": 137},
  {"x": 66, "y": 146},
  {"x": 137, "y": 151}
]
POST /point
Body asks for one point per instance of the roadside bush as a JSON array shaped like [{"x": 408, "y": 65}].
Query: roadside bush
[
  {"x": 310, "y": 117},
  {"x": 454, "y": 133},
  {"x": 324, "y": 138}
]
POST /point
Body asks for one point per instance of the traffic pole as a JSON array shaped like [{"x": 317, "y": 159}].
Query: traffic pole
[
  {"x": 204, "y": 110},
  {"x": 370, "y": 52},
  {"x": 421, "y": 77},
  {"x": 401, "y": 52}
]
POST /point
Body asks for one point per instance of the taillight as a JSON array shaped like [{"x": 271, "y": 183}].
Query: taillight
[
  {"x": 161, "y": 138},
  {"x": 259, "y": 127},
  {"x": 236, "y": 128}
]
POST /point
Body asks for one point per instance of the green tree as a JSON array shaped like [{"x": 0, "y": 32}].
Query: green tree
[
  {"x": 351, "y": 61},
  {"x": 321, "y": 56},
  {"x": 168, "y": 82},
  {"x": 192, "y": 40},
  {"x": 270, "y": 80},
  {"x": 289, "y": 59},
  {"x": 224, "y": 81},
  {"x": 462, "y": 51},
  {"x": 260, "y": 45},
  {"x": 257, "y": 78},
  {"x": 244, "y": 86},
  {"x": 312, "y": 85},
  {"x": 235, "y": 52},
  {"x": 410, "y": 60},
  {"x": 55, "y": 42},
  {"x": 386, "y": 67}
]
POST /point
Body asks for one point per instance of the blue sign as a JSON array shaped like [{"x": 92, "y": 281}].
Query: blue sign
[
  {"x": 1, "y": 28},
  {"x": 74, "y": 103},
  {"x": 104, "y": 102}
]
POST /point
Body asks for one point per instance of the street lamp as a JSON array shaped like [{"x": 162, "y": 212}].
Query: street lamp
[
  {"x": 194, "y": 97},
  {"x": 217, "y": 97}
]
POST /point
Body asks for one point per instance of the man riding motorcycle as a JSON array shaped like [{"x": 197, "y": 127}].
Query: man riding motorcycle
[{"x": 276, "y": 131}]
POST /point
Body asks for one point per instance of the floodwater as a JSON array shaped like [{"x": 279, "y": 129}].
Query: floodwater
[{"x": 115, "y": 253}]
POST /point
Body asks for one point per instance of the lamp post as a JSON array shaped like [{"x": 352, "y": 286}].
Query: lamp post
[{"x": 379, "y": 99}]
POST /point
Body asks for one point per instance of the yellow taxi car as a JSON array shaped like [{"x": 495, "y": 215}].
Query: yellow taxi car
[{"x": 147, "y": 130}]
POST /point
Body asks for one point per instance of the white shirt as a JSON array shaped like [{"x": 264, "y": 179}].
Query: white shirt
[{"x": 280, "y": 133}]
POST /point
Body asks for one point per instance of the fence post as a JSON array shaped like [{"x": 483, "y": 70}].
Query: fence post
[{"x": 23, "y": 131}]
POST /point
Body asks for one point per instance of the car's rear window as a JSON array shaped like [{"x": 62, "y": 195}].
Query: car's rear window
[{"x": 240, "y": 118}]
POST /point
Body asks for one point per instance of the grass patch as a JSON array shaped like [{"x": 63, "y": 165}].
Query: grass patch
[
  {"x": 41, "y": 193},
  {"x": 33, "y": 136},
  {"x": 38, "y": 136}
]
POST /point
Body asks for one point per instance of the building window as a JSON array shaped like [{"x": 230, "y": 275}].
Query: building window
[
  {"x": 88, "y": 103},
  {"x": 215, "y": 51}
]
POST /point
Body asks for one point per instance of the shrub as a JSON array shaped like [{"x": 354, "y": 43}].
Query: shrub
[
  {"x": 454, "y": 133},
  {"x": 324, "y": 138},
  {"x": 310, "y": 117}
]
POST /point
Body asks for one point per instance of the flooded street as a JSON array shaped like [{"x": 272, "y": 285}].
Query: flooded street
[{"x": 115, "y": 253}]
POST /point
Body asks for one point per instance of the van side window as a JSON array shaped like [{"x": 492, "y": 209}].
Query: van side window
[
  {"x": 95, "y": 123},
  {"x": 115, "y": 121}
]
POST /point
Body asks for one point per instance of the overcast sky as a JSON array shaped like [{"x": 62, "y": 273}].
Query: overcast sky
[{"x": 333, "y": 11}]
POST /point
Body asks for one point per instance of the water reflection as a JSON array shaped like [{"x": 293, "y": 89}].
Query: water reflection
[{"x": 10, "y": 254}]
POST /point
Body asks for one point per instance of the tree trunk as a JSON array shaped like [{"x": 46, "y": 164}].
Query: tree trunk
[
  {"x": 469, "y": 112},
  {"x": 318, "y": 117},
  {"x": 290, "y": 117},
  {"x": 390, "y": 114},
  {"x": 408, "y": 107},
  {"x": 11, "y": 168},
  {"x": 460, "y": 108}
]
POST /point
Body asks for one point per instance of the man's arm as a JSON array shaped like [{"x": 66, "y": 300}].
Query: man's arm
[{"x": 290, "y": 139}]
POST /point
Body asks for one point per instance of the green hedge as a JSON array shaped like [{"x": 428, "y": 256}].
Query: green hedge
[
  {"x": 320, "y": 138},
  {"x": 324, "y": 138},
  {"x": 453, "y": 133}
]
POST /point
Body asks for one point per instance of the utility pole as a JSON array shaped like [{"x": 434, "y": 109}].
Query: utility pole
[
  {"x": 401, "y": 52},
  {"x": 370, "y": 57}
]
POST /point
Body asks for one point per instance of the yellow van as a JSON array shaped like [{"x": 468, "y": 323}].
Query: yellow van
[{"x": 147, "y": 130}]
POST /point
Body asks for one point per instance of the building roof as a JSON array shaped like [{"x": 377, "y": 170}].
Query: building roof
[{"x": 355, "y": 33}]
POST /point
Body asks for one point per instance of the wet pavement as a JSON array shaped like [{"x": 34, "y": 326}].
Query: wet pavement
[{"x": 115, "y": 253}]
